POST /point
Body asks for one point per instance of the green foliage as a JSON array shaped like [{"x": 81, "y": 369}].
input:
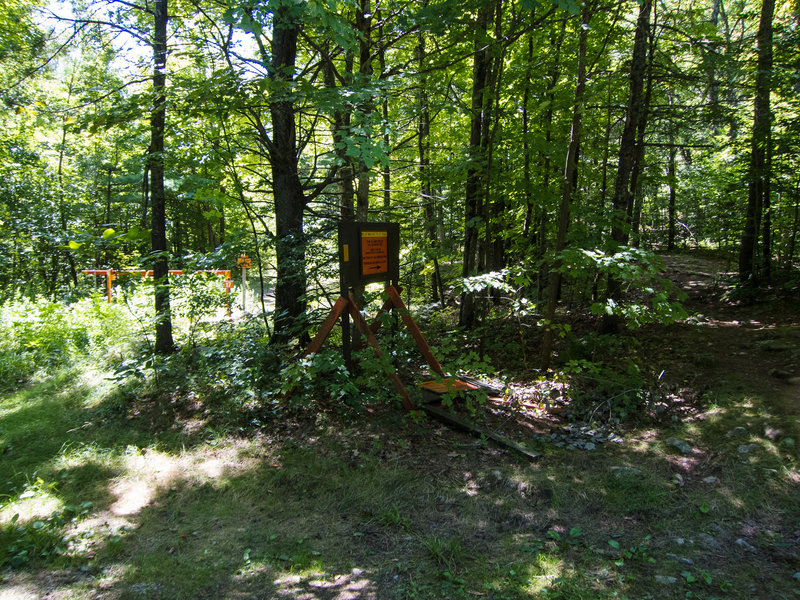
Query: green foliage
[
  {"x": 649, "y": 296},
  {"x": 637, "y": 552},
  {"x": 607, "y": 381},
  {"x": 44, "y": 335},
  {"x": 318, "y": 377},
  {"x": 41, "y": 538}
]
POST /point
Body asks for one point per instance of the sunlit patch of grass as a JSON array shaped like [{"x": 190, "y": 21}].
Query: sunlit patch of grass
[{"x": 32, "y": 504}]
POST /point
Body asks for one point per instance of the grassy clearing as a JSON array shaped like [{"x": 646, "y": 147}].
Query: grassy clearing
[
  {"x": 385, "y": 508},
  {"x": 196, "y": 488}
]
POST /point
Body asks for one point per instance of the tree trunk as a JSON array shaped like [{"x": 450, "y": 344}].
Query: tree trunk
[
  {"x": 795, "y": 226},
  {"x": 423, "y": 149},
  {"x": 766, "y": 231},
  {"x": 61, "y": 204},
  {"x": 552, "y": 82},
  {"x": 290, "y": 200},
  {"x": 527, "y": 229},
  {"x": 473, "y": 201},
  {"x": 387, "y": 173},
  {"x": 164, "y": 343},
  {"x": 364, "y": 28},
  {"x": 620, "y": 229},
  {"x": 635, "y": 208},
  {"x": 567, "y": 187},
  {"x": 623, "y": 196},
  {"x": 671, "y": 180},
  {"x": 341, "y": 129},
  {"x": 758, "y": 171}
]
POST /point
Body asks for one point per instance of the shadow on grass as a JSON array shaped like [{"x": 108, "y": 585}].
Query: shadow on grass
[{"x": 387, "y": 509}]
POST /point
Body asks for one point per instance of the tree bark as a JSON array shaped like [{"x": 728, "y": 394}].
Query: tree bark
[
  {"x": 635, "y": 207},
  {"x": 672, "y": 181},
  {"x": 164, "y": 343},
  {"x": 567, "y": 187},
  {"x": 290, "y": 200},
  {"x": 423, "y": 150},
  {"x": 473, "y": 200},
  {"x": 758, "y": 186},
  {"x": 620, "y": 229},
  {"x": 365, "y": 71}
]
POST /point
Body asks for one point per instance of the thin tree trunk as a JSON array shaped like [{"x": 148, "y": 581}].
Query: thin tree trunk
[
  {"x": 795, "y": 226},
  {"x": 671, "y": 180},
  {"x": 766, "y": 231},
  {"x": 620, "y": 231},
  {"x": 526, "y": 149},
  {"x": 423, "y": 149},
  {"x": 473, "y": 203},
  {"x": 387, "y": 173},
  {"x": 164, "y": 343},
  {"x": 567, "y": 187},
  {"x": 364, "y": 28},
  {"x": 61, "y": 204},
  {"x": 622, "y": 200},
  {"x": 552, "y": 82},
  {"x": 635, "y": 207}
]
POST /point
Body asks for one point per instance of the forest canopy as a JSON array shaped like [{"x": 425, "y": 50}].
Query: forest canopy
[{"x": 522, "y": 146}]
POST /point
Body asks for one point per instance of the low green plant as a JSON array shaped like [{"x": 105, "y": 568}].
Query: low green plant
[
  {"x": 318, "y": 376},
  {"x": 394, "y": 518},
  {"x": 573, "y": 537},
  {"x": 447, "y": 553},
  {"x": 42, "y": 538},
  {"x": 636, "y": 552}
]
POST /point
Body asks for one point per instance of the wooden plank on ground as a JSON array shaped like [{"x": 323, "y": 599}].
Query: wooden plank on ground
[
  {"x": 448, "y": 385},
  {"x": 451, "y": 419}
]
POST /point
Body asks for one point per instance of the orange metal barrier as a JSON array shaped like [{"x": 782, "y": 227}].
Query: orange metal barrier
[{"x": 112, "y": 274}]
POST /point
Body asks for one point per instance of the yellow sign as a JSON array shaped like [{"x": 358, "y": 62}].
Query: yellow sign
[
  {"x": 243, "y": 261},
  {"x": 374, "y": 252}
]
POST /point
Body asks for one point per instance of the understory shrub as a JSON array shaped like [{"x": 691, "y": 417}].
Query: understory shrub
[
  {"x": 607, "y": 381},
  {"x": 43, "y": 335}
]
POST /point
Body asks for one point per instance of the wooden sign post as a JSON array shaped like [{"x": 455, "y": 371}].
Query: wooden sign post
[{"x": 370, "y": 252}]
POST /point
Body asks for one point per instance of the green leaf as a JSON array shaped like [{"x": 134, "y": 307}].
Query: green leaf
[
  {"x": 614, "y": 544},
  {"x": 108, "y": 233},
  {"x": 73, "y": 245}
]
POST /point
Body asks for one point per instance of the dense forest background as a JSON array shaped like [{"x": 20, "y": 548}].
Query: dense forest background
[
  {"x": 529, "y": 151},
  {"x": 598, "y": 206}
]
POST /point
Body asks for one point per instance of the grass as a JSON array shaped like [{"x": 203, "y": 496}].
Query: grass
[
  {"x": 229, "y": 515},
  {"x": 115, "y": 491}
]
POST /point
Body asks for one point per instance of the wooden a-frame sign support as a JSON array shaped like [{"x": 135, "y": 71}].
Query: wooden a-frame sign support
[
  {"x": 348, "y": 305},
  {"x": 369, "y": 252},
  {"x": 432, "y": 389}
]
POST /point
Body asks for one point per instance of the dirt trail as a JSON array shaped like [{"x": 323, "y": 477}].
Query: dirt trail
[{"x": 756, "y": 344}]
